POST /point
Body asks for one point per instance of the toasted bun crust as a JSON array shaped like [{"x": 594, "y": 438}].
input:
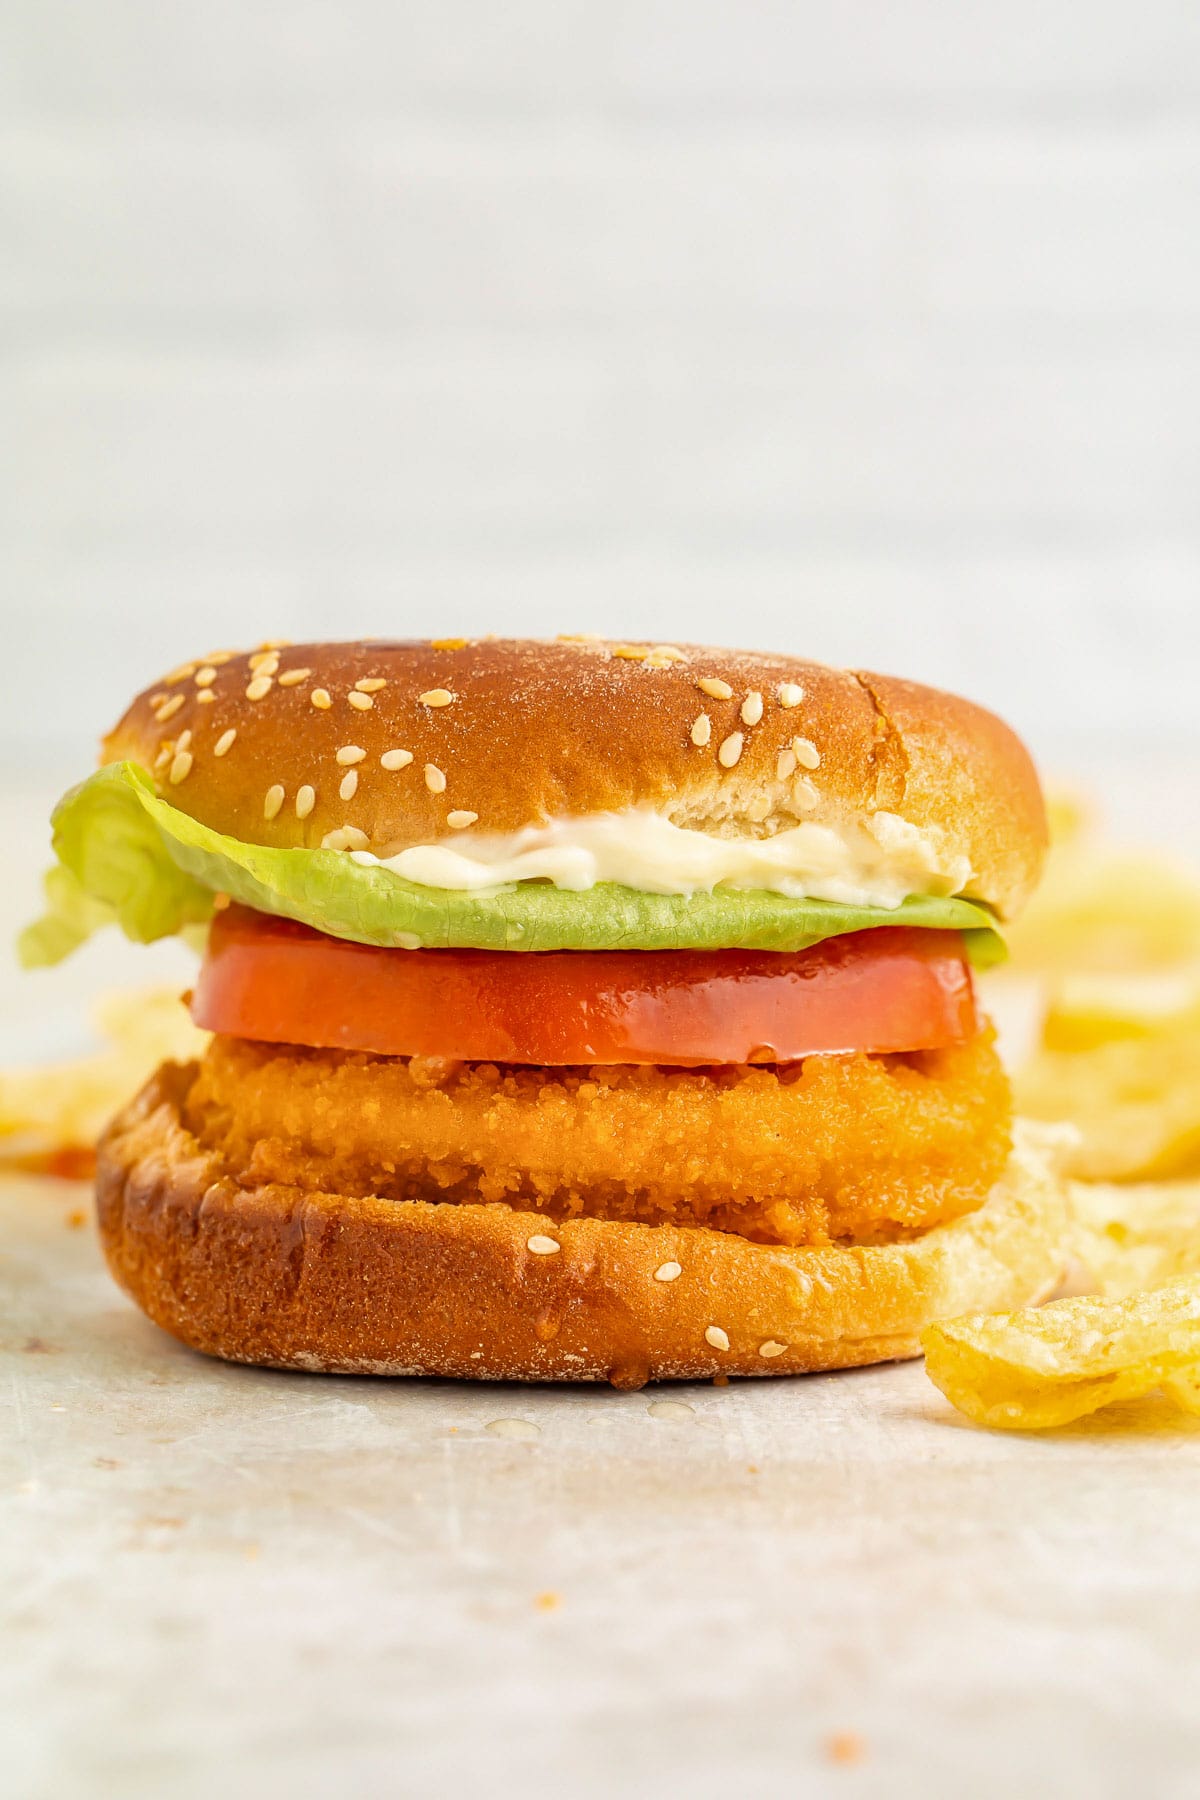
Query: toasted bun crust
[
  {"x": 323, "y": 1281},
  {"x": 537, "y": 731}
]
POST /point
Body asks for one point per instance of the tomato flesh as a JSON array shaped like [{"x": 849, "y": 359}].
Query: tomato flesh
[{"x": 889, "y": 989}]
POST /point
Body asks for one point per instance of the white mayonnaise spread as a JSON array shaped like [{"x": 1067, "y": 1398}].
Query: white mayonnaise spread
[{"x": 875, "y": 863}]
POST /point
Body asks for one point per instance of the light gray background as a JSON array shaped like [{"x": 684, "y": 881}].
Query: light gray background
[{"x": 867, "y": 330}]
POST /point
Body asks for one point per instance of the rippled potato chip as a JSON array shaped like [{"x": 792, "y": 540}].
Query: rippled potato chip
[
  {"x": 1136, "y": 1235},
  {"x": 1133, "y": 1096},
  {"x": 1109, "y": 949},
  {"x": 50, "y": 1117},
  {"x": 1107, "y": 910},
  {"x": 1085, "y": 1011},
  {"x": 1184, "y": 1390},
  {"x": 1045, "y": 1366}
]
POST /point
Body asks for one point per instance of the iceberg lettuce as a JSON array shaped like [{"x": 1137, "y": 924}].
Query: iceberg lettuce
[{"x": 126, "y": 856}]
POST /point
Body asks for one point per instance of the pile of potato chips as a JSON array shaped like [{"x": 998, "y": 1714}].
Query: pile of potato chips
[
  {"x": 51, "y": 1117},
  {"x": 1113, "y": 939}
]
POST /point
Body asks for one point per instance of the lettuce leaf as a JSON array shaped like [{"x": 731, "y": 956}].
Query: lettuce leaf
[{"x": 128, "y": 857}]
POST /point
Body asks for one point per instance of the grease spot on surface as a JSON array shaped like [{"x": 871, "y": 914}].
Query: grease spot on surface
[
  {"x": 522, "y": 1429},
  {"x": 671, "y": 1409}
]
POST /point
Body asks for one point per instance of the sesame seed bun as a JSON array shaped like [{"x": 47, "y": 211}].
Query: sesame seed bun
[
  {"x": 294, "y": 1279},
  {"x": 396, "y": 744}
]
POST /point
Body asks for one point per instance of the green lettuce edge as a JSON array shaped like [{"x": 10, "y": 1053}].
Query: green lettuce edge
[{"x": 127, "y": 857}]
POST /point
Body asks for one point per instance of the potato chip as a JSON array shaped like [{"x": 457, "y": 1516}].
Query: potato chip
[
  {"x": 1137, "y": 1235},
  {"x": 1134, "y": 1099},
  {"x": 1069, "y": 814},
  {"x": 1045, "y": 1366},
  {"x": 1184, "y": 1389},
  {"x": 1109, "y": 910},
  {"x": 1084, "y": 1011},
  {"x": 49, "y": 1114}
]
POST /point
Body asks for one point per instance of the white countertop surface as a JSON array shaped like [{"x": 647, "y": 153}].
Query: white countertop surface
[{"x": 222, "y": 1581}]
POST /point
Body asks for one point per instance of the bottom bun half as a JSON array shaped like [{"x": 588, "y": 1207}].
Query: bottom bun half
[{"x": 290, "y": 1279}]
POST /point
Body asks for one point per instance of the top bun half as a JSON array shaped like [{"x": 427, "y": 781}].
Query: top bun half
[{"x": 518, "y": 732}]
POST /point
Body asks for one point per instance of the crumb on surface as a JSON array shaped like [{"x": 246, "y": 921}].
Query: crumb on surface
[{"x": 845, "y": 1747}]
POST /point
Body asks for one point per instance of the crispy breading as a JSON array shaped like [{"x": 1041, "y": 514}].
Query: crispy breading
[{"x": 843, "y": 1149}]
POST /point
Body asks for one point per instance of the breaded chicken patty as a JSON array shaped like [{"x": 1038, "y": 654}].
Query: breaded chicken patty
[{"x": 837, "y": 1149}]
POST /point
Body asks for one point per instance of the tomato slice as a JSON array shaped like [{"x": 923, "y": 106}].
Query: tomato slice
[{"x": 893, "y": 988}]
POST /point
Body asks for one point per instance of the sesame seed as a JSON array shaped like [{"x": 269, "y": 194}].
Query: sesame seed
[
  {"x": 668, "y": 1271},
  {"x": 790, "y": 694},
  {"x": 183, "y": 741},
  {"x": 717, "y": 1338},
  {"x": 219, "y": 657},
  {"x": 785, "y": 765},
  {"x": 435, "y": 781},
  {"x": 306, "y": 799},
  {"x": 165, "y": 753},
  {"x": 712, "y": 685},
  {"x": 265, "y": 662},
  {"x": 157, "y": 699},
  {"x": 346, "y": 837},
  {"x": 360, "y": 702},
  {"x": 702, "y": 731},
  {"x": 205, "y": 697},
  {"x": 542, "y": 1245},
  {"x": 224, "y": 742},
  {"x": 771, "y": 1348},
  {"x": 666, "y": 653},
  {"x": 293, "y": 677},
  {"x": 447, "y": 643},
  {"x": 370, "y": 684},
  {"x": 180, "y": 674},
  {"x": 458, "y": 821},
  {"x": 320, "y": 699},
  {"x": 395, "y": 759},
  {"x": 436, "y": 697},
  {"x": 260, "y": 686},
  {"x": 805, "y": 794},
  {"x": 181, "y": 764},
  {"x": 730, "y": 750},
  {"x": 630, "y": 652},
  {"x": 807, "y": 754},
  {"x": 349, "y": 784},
  {"x": 169, "y": 708},
  {"x": 274, "y": 800},
  {"x": 752, "y": 709},
  {"x": 205, "y": 677},
  {"x": 349, "y": 753}
]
